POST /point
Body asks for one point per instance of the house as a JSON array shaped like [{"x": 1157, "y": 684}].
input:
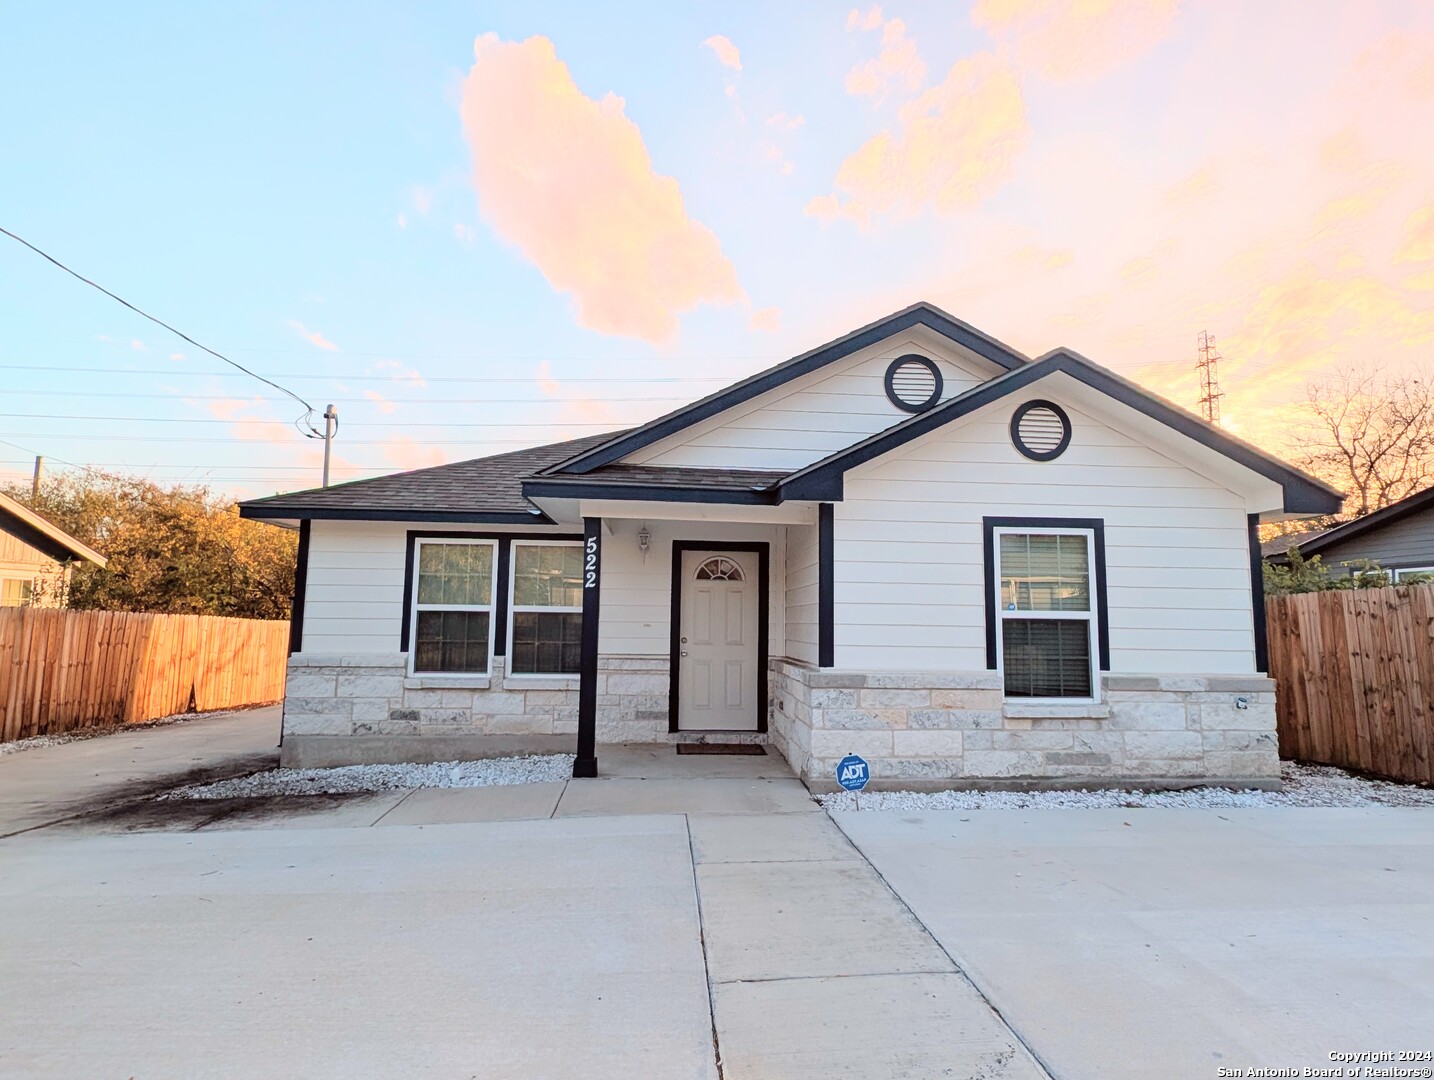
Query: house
[
  {"x": 36, "y": 558},
  {"x": 912, "y": 543},
  {"x": 1399, "y": 537}
]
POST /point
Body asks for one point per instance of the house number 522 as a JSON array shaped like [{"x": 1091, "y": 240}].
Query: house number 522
[{"x": 590, "y": 563}]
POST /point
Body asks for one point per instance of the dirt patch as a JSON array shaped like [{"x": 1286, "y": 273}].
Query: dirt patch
[{"x": 186, "y": 815}]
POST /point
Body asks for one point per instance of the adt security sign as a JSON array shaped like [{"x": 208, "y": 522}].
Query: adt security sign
[{"x": 852, "y": 772}]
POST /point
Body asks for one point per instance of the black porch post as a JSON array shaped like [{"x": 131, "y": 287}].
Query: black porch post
[
  {"x": 586, "y": 763},
  {"x": 826, "y": 586}
]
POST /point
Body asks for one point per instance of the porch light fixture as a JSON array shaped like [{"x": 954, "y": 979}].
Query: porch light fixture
[{"x": 644, "y": 541}]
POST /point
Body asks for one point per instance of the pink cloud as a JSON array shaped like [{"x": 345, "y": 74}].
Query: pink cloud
[
  {"x": 568, "y": 181},
  {"x": 1070, "y": 40},
  {"x": 954, "y": 146},
  {"x": 789, "y": 123},
  {"x": 726, "y": 53},
  {"x": 313, "y": 337},
  {"x": 404, "y": 453},
  {"x": 1418, "y": 244},
  {"x": 871, "y": 19},
  {"x": 399, "y": 371},
  {"x": 898, "y": 65},
  {"x": 546, "y": 383},
  {"x": 384, "y": 405}
]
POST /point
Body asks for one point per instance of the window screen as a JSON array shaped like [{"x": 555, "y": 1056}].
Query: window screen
[
  {"x": 453, "y": 607},
  {"x": 547, "y": 623},
  {"x": 1045, "y": 610}
]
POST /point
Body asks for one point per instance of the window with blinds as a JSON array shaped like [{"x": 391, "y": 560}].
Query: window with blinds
[
  {"x": 546, "y": 631},
  {"x": 1046, "y": 613},
  {"x": 453, "y": 607}
]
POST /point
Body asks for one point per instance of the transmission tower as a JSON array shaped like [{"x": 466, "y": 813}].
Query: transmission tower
[{"x": 1210, "y": 394}]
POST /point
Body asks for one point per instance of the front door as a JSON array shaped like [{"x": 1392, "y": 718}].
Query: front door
[{"x": 717, "y": 654}]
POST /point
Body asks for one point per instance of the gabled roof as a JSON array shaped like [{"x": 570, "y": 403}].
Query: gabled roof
[
  {"x": 488, "y": 490},
  {"x": 919, "y": 314},
  {"x": 1314, "y": 544},
  {"x": 52, "y": 541},
  {"x": 1303, "y": 494}
]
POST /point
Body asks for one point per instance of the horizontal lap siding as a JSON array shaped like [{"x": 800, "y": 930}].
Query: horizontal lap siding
[
  {"x": 353, "y": 602},
  {"x": 811, "y": 417},
  {"x": 909, "y": 561},
  {"x": 637, "y": 593},
  {"x": 802, "y": 589},
  {"x": 1409, "y": 542}
]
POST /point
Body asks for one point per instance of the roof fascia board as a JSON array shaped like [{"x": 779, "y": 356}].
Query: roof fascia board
[
  {"x": 545, "y": 488},
  {"x": 1387, "y": 515},
  {"x": 31, "y": 529},
  {"x": 272, "y": 511},
  {"x": 917, "y": 315},
  {"x": 1301, "y": 493}
]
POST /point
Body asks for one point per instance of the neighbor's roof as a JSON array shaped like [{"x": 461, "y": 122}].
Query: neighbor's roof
[
  {"x": 1314, "y": 543},
  {"x": 486, "y": 489},
  {"x": 30, "y": 528}
]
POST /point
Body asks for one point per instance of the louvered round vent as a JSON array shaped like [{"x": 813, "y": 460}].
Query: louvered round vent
[
  {"x": 913, "y": 382},
  {"x": 1041, "y": 430}
]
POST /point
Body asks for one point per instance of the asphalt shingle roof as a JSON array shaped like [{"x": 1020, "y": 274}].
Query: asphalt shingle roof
[
  {"x": 480, "y": 485},
  {"x": 722, "y": 479}
]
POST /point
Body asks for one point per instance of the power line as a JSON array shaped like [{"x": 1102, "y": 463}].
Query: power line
[
  {"x": 375, "y": 378},
  {"x": 231, "y": 441},
  {"x": 180, "y": 396},
  {"x": 250, "y": 419},
  {"x": 308, "y": 409}
]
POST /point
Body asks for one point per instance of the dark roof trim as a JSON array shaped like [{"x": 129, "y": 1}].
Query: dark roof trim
[
  {"x": 921, "y": 314},
  {"x": 44, "y": 536},
  {"x": 555, "y": 488},
  {"x": 1302, "y": 493},
  {"x": 1411, "y": 504},
  {"x": 270, "y": 511}
]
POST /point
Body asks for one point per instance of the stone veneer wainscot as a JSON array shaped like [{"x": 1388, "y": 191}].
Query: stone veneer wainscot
[{"x": 932, "y": 731}]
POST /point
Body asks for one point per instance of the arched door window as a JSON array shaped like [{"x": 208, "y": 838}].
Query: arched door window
[{"x": 718, "y": 568}]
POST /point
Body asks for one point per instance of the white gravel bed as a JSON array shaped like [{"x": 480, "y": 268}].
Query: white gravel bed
[
  {"x": 347, "y": 779},
  {"x": 1305, "y": 785}
]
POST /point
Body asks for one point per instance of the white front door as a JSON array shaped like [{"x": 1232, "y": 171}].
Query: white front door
[{"x": 717, "y": 673}]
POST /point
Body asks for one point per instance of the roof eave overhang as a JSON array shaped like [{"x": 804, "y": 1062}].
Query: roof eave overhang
[
  {"x": 1351, "y": 530},
  {"x": 545, "y": 488},
  {"x": 277, "y": 512},
  {"x": 51, "y": 542}
]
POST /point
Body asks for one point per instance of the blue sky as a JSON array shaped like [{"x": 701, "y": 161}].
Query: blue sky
[{"x": 300, "y": 189}]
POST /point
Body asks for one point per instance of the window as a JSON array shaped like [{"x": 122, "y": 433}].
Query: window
[
  {"x": 545, "y": 635},
  {"x": 719, "y": 569},
  {"x": 16, "y": 592},
  {"x": 1045, "y": 612},
  {"x": 453, "y": 607},
  {"x": 1414, "y": 574}
]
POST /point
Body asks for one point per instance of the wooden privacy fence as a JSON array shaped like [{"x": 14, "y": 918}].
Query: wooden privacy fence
[
  {"x": 67, "y": 669},
  {"x": 1355, "y": 670}
]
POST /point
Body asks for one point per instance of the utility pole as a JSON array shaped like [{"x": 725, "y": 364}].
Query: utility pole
[
  {"x": 35, "y": 483},
  {"x": 1210, "y": 394},
  {"x": 331, "y": 428}
]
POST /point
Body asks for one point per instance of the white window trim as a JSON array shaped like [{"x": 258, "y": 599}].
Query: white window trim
[
  {"x": 526, "y": 678},
  {"x": 1091, "y": 616},
  {"x": 1399, "y": 571},
  {"x": 414, "y": 607}
]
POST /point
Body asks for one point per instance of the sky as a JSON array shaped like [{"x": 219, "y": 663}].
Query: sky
[{"x": 481, "y": 226}]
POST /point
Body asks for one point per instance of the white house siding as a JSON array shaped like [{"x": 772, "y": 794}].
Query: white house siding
[
  {"x": 801, "y": 591},
  {"x": 814, "y": 416},
  {"x": 909, "y": 576},
  {"x": 351, "y": 680}
]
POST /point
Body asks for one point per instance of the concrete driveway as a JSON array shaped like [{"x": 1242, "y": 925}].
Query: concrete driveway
[
  {"x": 48, "y": 784},
  {"x": 1171, "y": 943}
]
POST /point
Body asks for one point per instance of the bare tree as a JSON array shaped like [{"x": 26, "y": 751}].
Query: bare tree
[{"x": 1369, "y": 434}]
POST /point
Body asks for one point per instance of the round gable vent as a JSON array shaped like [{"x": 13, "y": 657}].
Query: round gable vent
[
  {"x": 913, "y": 382},
  {"x": 1041, "y": 430}
]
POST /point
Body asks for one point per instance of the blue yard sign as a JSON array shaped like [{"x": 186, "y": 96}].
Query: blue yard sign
[{"x": 852, "y": 772}]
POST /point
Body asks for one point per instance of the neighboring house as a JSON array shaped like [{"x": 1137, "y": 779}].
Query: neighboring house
[
  {"x": 36, "y": 557},
  {"x": 1400, "y": 538},
  {"x": 911, "y": 543}
]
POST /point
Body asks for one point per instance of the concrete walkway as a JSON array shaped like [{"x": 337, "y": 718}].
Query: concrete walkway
[
  {"x": 53, "y": 783},
  {"x": 1171, "y": 943}
]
